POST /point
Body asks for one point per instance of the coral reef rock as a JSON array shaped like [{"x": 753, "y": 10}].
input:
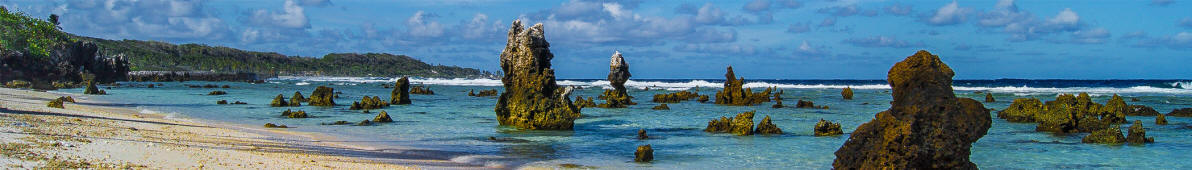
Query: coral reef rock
[
  {"x": 401, "y": 92},
  {"x": 221, "y": 102},
  {"x": 1068, "y": 113},
  {"x": 734, "y": 95},
  {"x": 1161, "y": 120},
  {"x": 742, "y": 124},
  {"x": 294, "y": 114},
  {"x": 675, "y": 97},
  {"x": 584, "y": 103},
  {"x": 827, "y": 128},
  {"x": 1137, "y": 134},
  {"x": 618, "y": 74},
  {"x": 643, "y": 154},
  {"x": 1183, "y": 112},
  {"x": 847, "y": 93},
  {"x": 1022, "y": 110},
  {"x": 56, "y": 103},
  {"x": 1109, "y": 135},
  {"x": 767, "y": 128},
  {"x": 367, "y": 103},
  {"x": 279, "y": 101},
  {"x": 532, "y": 99},
  {"x": 661, "y": 107},
  {"x": 1141, "y": 110},
  {"x": 641, "y": 134},
  {"x": 483, "y": 93},
  {"x": 217, "y": 93},
  {"x": 423, "y": 90},
  {"x": 92, "y": 89},
  {"x": 271, "y": 125},
  {"x": 297, "y": 99},
  {"x": 926, "y": 127},
  {"x": 383, "y": 117},
  {"x": 808, "y": 104},
  {"x": 989, "y": 97},
  {"x": 322, "y": 96}
]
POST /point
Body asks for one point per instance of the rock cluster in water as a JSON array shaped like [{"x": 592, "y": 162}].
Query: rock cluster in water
[
  {"x": 1137, "y": 134},
  {"x": 1183, "y": 112},
  {"x": 584, "y": 103},
  {"x": 368, "y": 103},
  {"x": 483, "y": 93},
  {"x": 322, "y": 96},
  {"x": 294, "y": 114},
  {"x": 827, "y": 128},
  {"x": 532, "y": 99},
  {"x": 847, "y": 93},
  {"x": 1068, "y": 113},
  {"x": 765, "y": 127},
  {"x": 675, "y": 97},
  {"x": 217, "y": 92},
  {"x": 778, "y": 100},
  {"x": 742, "y": 124},
  {"x": 734, "y": 95},
  {"x": 618, "y": 74},
  {"x": 926, "y": 127},
  {"x": 1161, "y": 120},
  {"x": 661, "y": 107},
  {"x": 423, "y": 90},
  {"x": 271, "y": 125},
  {"x": 401, "y": 92},
  {"x": 1108, "y": 135},
  {"x": 808, "y": 104}
]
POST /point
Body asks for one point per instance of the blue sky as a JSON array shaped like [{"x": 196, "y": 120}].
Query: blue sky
[{"x": 762, "y": 39}]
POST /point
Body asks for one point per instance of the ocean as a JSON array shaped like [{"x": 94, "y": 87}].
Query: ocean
[{"x": 459, "y": 127}]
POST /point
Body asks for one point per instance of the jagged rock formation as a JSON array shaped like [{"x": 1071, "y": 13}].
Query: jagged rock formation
[
  {"x": 56, "y": 103},
  {"x": 1161, "y": 120},
  {"x": 926, "y": 127},
  {"x": 423, "y": 90},
  {"x": 92, "y": 89},
  {"x": 989, "y": 97},
  {"x": 383, "y": 117},
  {"x": 1183, "y": 112},
  {"x": 742, "y": 124},
  {"x": 297, "y": 99},
  {"x": 827, "y": 128},
  {"x": 778, "y": 100},
  {"x": 1141, "y": 110},
  {"x": 1137, "y": 134},
  {"x": 734, "y": 95},
  {"x": 582, "y": 103},
  {"x": 61, "y": 60},
  {"x": 483, "y": 93},
  {"x": 279, "y": 101},
  {"x": 661, "y": 107},
  {"x": 808, "y": 104},
  {"x": 767, "y": 128},
  {"x": 1108, "y": 135},
  {"x": 239, "y": 102},
  {"x": 323, "y": 96},
  {"x": 618, "y": 74},
  {"x": 675, "y": 97},
  {"x": 292, "y": 114},
  {"x": 1068, "y": 113},
  {"x": 531, "y": 99},
  {"x": 401, "y": 92},
  {"x": 847, "y": 93},
  {"x": 643, "y": 154},
  {"x": 367, "y": 103}
]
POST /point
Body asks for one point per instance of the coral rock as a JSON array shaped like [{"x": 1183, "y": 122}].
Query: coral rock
[
  {"x": 367, "y": 103},
  {"x": 675, "y": 97},
  {"x": 322, "y": 96},
  {"x": 661, "y": 107},
  {"x": 1137, "y": 134},
  {"x": 217, "y": 93},
  {"x": 1110, "y": 135},
  {"x": 847, "y": 93},
  {"x": 926, "y": 127},
  {"x": 221, "y": 102},
  {"x": 742, "y": 124},
  {"x": 766, "y": 127},
  {"x": 383, "y": 117},
  {"x": 401, "y": 92},
  {"x": 641, "y": 134},
  {"x": 532, "y": 99},
  {"x": 92, "y": 89},
  {"x": 582, "y": 103},
  {"x": 271, "y": 125},
  {"x": 703, "y": 98},
  {"x": 1161, "y": 120},
  {"x": 279, "y": 101},
  {"x": 827, "y": 128},
  {"x": 423, "y": 90},
  {"x": 56, "y": 103},
  {"x": 808, "y": 104},
  {"x": 293, "y": 114},
  {"x": 989, "y": 97},
  {"x": 297, "y": 99},
  {"x": 643, "y": 154},
  {"x": 1140, "y": 110},
  {"x": 483, "y": 93},
  {"x": 1022, "y": 110},
  {"x": 1184, "y": 112},
  {"x": 734, "y": 95},
  {"x": 618, "y": 74}
]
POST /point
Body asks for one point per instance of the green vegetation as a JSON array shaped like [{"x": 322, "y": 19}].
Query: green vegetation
[{"x": 31, "y": 36}]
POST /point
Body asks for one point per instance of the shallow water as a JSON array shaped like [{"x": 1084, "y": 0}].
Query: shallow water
[{"x": 453, "y": 121}]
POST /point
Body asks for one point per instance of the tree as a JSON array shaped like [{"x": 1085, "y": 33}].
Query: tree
[{"x": 54, "y": 19}]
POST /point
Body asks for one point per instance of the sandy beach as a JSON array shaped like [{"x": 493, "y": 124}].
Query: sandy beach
[{"x": 90, "y": 134}]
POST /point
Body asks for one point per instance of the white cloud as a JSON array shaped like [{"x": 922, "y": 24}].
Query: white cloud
[
  {"x": 949, "y": 14},
  {"x": 1092, "y": 36},
  {"x": 1186, "y": 22},
  {"x": 1004, "y": 13},
  {"x": 291, "y": 16},
  {"x": 479, "y": 28},
  {"x": 422, "y": 25},
  {"x": 709, "y": 14},
  {"x": 757, "y": 6},
  {"x": 145, "y": 19}
]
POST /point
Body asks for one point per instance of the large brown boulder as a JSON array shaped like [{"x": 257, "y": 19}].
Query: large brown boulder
[
  {"x": 742, "y": 124},
  {"x": 767, "y": 128},
  {"x": 643, "y": 154},
  {"x": 323, "y": 96},
  {"x": 733, "y": 94},
  {"x": 847, "y": 93},
  {"x": 618, "y": 74},
  {"x": 989, "y": 97},
  {"x": 297, "y": 99},
  {"x": 279, "y": 101},
  {"x": 827, "y": 128},
  {"x": 926, "y": 127},
  {"x": 401, "y": 92},
  {"x": 532, "y": 99}
]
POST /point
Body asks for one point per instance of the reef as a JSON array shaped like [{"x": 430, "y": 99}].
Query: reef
[
  {"x": 221, "y": 102},
  {"x": 279, "y": 101},
  {"x": 297, "y": 99},
  {"x": 675, "y": 97},
  {"x": 742, "y": 124},
  {"x": 1161, "y": 120},
  {"x": 422, "y": 90},
  {"x": 322, "y": 96},
  {"x": 271, "y": 125},
  {"x": 641, "y": 134},
  {"x": 212, "y": 93},
  {"x": 483, "y": 93},
  {"x": 1068, "y": 113},
  {"x": 368, "y": 103},
  {"x": 926, "y": 127},
  {"x": 1108, "y": 135},
  {"x": 661, "y": 107},
  {"x": 92, "y": 89},
  {"x": 532, "y": 99},
  {"x": 734, "y": 95},
  {"x": 1137, "y": 134},
  {"x": 1183, "y": 112},
  {"x": 584, "y": 103},
  {"x": 778, "y": 100},
  {"x": 827, "y": 128},
  {"x": 989, "y": 98},
  {"x": 808, "y": 104},
  {"x": 294, "y": 114}
]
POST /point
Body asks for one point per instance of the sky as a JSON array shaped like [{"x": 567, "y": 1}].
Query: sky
[{"x": 761, "y": 39}]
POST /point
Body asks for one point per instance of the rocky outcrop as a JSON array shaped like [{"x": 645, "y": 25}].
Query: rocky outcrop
[
  {"x": 827, "y": 128},
  {"x": 279, "y": 101},
  {"x": 641, "y": 134},
  {"x": 383, "y": 117},
  {"x": 532, "y": 99},
  {"x": 767, "y": 128},
  {"x": 703, "y": 98},
  {"x": 368, "y": 103},
  {"x": 618, "y": 74},
  {"x": 742, "y": 124},
  {"x": 675, "y": 97},
  {"x": 364, "y": 123},
  {"x": 1022, "y": 110},
  {"x": 297, "y": 99},
  {"x": 778, "y": 100},
  {"x": 60, "y": 60},
  {"x": 213, "y": 93},
  {"x": 847, "y": 93},
  {"x": 483, "y": 93},
  {"x": 1137, "y": 134},
  {"x": 294, "y": 114},
  {"x": 661, "y": 107},
  {"x": 808, "y": 104},
  {"x": 401, "y": 92},
  {"x": 584, "y": 103},
  {"x": 66, "y": 99},
  {"x": 221, "y": 102},
  {"x": 989, "y": 98},
  {"x": 271, "y": 125},
  {"x": 926, "y": 127},
  {"x": 1140, "y": 110},
  {"x": 423, "y": 90},
  {"x": 643, "y": 154},
  {"x": 734, "y": 95},
  {"x": 1109, "y": 135},
  {"x": 56, "y": 103},
  {"x": 92, "y": 89},
  {"x": 1161, "y": 120},
  {"x": 322, "y": 96},
  {"x": 1068, "y": 113},
  {"x": 1184, "y": 112}
]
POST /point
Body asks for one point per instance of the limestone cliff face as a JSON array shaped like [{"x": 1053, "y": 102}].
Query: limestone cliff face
[
  {"x": 618, "y": 73},
  {"x": 531, "y": 99},
  {"x": 926, "y": 127}
]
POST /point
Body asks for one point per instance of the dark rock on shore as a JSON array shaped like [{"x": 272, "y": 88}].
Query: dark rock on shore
[
  {"x": 618, "y": 74},
  {"x": 827, "y": 128},
  {"x": 59, "y": 59},
  {"x": 1137, "y": 134},
  {"x": 675, "y": 97},
  {"x": 926, "y": 127},
  {"x": 643, "y": 154},
  {"x": 56, "y": 103},
  {"x": 92, "y": 89},
  {"x": 767, "y": 128},
  {"x": 483, "y": 93},
  {"x": 808, "y": 104},
  {"x": 401, "y": 92},
  {"x": 279, "y": 101},
  {"x": 734, "y": 95},
  {"x": 1109, "y": 135},
  {"x": 989, "y": 98},
  {"x": 217, "y": 93},
  {"x": 1161, "y": 120},
  {"x": 742, "y": 124},
  {"x": 847, "y": 93},
  {"x": 423, "y": 90},
  {"x": 532, "y": 99},
  {"x": 582, "y": 103},
  {"x": 322, "y": 96},
  {"x": 383, "y": 117},
  {"x": 661, "y": 107},
  {"x": 1183, "y": 112}
]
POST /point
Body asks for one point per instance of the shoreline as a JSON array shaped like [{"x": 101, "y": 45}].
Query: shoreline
[{"x": 33, "y": 135}]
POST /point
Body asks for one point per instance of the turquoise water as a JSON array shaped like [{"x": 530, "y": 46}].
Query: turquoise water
[{"x": 461, "y": 125}]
